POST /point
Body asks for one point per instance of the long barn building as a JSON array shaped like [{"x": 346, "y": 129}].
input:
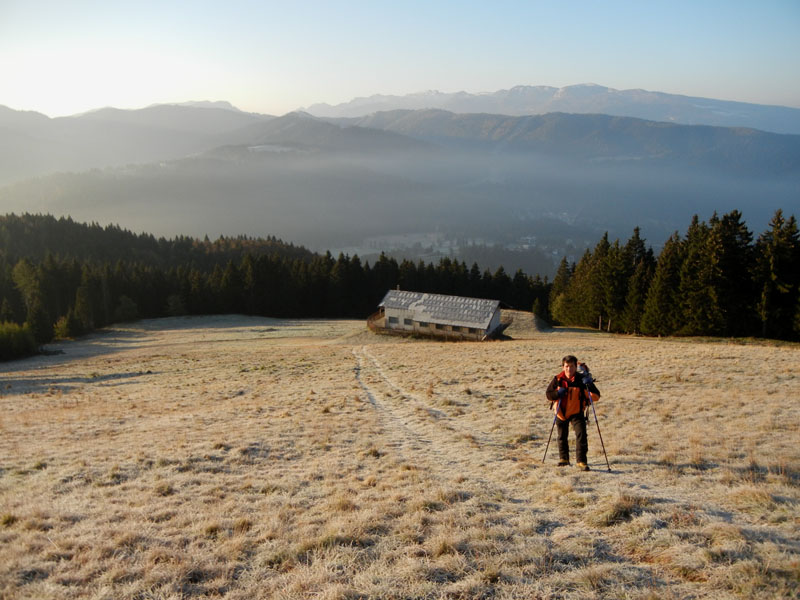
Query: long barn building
[{"x": 437, "y": 315}]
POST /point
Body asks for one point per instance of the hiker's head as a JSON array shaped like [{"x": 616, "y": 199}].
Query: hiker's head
[{"x": 570, "y": 364}]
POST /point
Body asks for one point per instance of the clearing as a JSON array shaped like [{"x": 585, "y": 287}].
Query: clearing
[{"x": 244, "y": 457}]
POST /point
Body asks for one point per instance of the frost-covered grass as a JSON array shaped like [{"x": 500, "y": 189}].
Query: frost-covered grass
[{"x": 253, "y": 458}]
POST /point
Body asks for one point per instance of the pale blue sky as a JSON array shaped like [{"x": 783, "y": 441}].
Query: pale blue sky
[{"x": 61, "y": 57}]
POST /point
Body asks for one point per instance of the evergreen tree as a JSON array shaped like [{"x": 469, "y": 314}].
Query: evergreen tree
[
  {"x": 638, "y": 286},
  {"x": 558, "y": 290},
  {"x": 541, "y": 298},
  {"x": 82, "y": 314},
  {"x": 699, "y": 275},
  {"x": 732, "y": 254},
  {"x": 572, "y": 307},
  {"x": 597, "y": 282},
  {"x": 6, "y": 312},
  {"x": 247, "y": 272},
  {"x": 339, "y": 300},
  {"x": 39, "y": 323},
  {"x": 583, "y": 302},
  {"x": 26, "y": 279},
  {"x": 501, "y": 286},
  {"x": 475, "y": 282},
  {"x": 636, "y": 250},
  {"x": 615, "y": 286},
  {"x": 359, "y": 300},
  {"x": 778, "y": 251},
  {"x": 408, "y": 277},
  {"x": 521, "y": 295},
  {"x": 385, "y": 276},
  {"x": 662, "y": 314}
]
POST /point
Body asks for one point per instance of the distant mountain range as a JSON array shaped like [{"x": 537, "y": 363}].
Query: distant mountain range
[
  {"x": 598, "y": 138},
  {"x": 205, "y": 167},
  {"x": 33, "y": 144},
  {"x": 582, "y": 99}
]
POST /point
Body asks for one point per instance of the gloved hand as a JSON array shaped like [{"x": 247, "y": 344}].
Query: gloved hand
[{"x": 561, "y": 392}]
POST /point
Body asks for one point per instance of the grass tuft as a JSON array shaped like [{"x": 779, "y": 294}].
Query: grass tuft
[
  {"x": 242, "y": 526},
  {"x": 620, "y": 509},
  {"x": 164, "y": 488}
]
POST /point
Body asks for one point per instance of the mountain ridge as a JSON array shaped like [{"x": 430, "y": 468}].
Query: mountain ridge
[
  {"x": 582, "y": 98},
  {"x": 596, "y": 137}
]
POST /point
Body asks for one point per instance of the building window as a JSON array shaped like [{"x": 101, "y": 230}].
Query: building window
[
  {"x": 473, "y": 330},
  {"x": 408, "y": 322},
  {"x": 456, "y": 328},
  {"x": 439, "y": 326},
  {"x": 423, "y": 324},
  {"x": 393, "y": 320}
]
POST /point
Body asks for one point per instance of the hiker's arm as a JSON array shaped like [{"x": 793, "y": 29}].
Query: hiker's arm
[{"x": 552, "y": 390}]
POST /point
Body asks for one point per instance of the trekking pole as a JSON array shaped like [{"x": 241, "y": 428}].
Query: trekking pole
[
  {"x": 548, "y": 439},
  {"x": 594, "y": 412}
]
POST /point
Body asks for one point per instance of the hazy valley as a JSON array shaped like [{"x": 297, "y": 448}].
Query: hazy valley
[{"x": 356, "y": 184}]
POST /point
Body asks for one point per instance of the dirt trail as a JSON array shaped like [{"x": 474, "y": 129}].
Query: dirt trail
[{"x": 425, "y": 436}]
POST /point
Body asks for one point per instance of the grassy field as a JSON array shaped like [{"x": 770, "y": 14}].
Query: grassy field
[{"x": 254, "y": 458}]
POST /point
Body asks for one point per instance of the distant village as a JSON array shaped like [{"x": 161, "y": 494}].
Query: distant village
[{"x": 433, "y": 246}]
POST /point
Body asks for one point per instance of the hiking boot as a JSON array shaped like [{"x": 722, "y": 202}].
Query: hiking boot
[
  {"x": 563, "y": 463},
  {"x": 583, "y": 466}
]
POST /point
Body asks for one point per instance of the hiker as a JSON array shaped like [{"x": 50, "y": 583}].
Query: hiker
[{"x": 569, "y": 397}]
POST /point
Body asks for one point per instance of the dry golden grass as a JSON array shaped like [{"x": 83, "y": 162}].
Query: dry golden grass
[{"x": 253, "y": 458}]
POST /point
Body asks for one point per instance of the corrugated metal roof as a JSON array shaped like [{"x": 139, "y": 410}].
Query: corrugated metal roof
[{"x": 438, "y": 308}]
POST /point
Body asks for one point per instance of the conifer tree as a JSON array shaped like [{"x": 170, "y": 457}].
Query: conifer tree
[
  {"x": 572, "y": 307},
  {"x": 501, "y": 285},
  {"x": 475, "y": 282},
  {"x": 82, "y": 313},
  {"x": 558, "y": 289},
  {"x": 385, "y": 275},
  {"x": 247, "y": 272},
  {"x": 408, "y": 276},
  {"x": 700, "y": 312},
  {"x": 597, "y": 282},
  {"x": 778, "y": 251},
  {"x": 662, "y": 313},
  {"x": 635, "y": 298},
  {"x": 732, "y": 254},
  {"x": 39, "y": 323},
  {"x": 615, "y": 286},
  {"x": 6, "y": 312},
  {"x": 521, "y": 296},
  {"x": 584, "y": 300},
  {"x": 636, "y": 249}
]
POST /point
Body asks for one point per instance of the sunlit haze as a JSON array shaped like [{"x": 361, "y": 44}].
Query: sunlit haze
[{"x": 62, "y": 58}]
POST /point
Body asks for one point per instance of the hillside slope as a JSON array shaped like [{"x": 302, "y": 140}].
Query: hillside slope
[{"x": 246, "y": 457}]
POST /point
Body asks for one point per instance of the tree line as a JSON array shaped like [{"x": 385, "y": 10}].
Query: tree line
[
  {"x": 714, "y": 281},
  {"x": 72, "y": 288},
  {"x": 59, "y": 278}
]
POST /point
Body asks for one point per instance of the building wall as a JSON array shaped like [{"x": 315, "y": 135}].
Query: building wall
[
  {"x": 406, "y": 320},
  {"x": 495, "y": 322}
]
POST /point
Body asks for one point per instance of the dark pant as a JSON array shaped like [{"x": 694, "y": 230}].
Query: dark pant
[{"x": 579, "y": 426}]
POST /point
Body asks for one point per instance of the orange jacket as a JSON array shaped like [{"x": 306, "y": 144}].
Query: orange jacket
[{"x": 576, "y": 397}]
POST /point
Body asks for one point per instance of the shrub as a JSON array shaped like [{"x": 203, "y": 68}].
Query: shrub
[
  {"x": 16, "y": 341},
  {"x": 68, "y": 326}
]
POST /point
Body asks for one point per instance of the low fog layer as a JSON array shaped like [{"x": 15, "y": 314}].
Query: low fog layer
[
  {"x": 555, "y": 182},
  {"x": 324, "y": 201}
]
